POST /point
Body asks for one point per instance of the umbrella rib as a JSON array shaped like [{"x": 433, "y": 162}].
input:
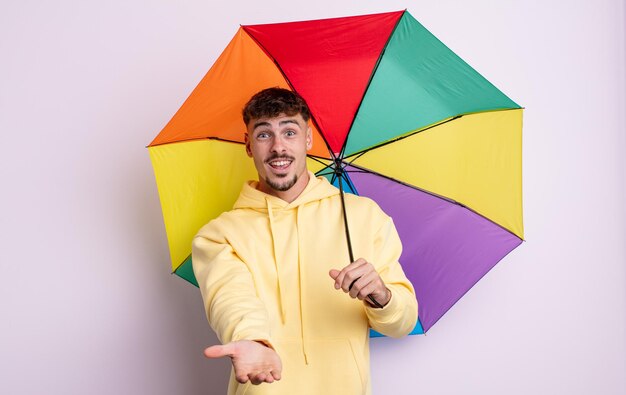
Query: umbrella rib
[
  {"x": 365, "y": 170},
  {"x": 357, "y": 171},
  {"x": 319, "y": 173},
  {"x": 318, "y": 160},
  {"x": 334, "y": 177},
  {"x": 313, "y": 120},
  {"x": 357, "y": 157},
  {"x": 369, "y": 82},
  {"x": 197, "y": 139},
  {"x": 409, "y": 134}
]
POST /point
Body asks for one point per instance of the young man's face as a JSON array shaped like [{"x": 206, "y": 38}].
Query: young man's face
[{"x": 279, "y": 146}]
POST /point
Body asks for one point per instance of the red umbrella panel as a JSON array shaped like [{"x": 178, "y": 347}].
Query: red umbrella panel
[{"x": 396, "y": 116}]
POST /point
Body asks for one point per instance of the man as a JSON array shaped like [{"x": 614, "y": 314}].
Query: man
[{"x": 273, "y": 271}]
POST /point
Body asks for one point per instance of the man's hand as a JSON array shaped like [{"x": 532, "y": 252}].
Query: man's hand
[
  {"x": 252, "y": 360},
  {"x": 360, "y": 279}
]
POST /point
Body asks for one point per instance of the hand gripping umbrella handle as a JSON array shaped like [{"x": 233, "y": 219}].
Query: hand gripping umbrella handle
[{"x": 339, "y": 172}]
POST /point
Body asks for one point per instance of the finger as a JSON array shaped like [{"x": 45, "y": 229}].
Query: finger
[
  {"x": 347, "y": 272},
  {"x": 368, "y": 289},
  {"x": 354, "y": 274},
  {"x": 218, "y": 351},
  {"x": 339, "y": 277},
  {"x": 257, "y": 379},
  {"x": 362, "y": 282},
  {"x": 276, "y": 374},
  {"x": 241, "y": 378},
  {"x": 358, "y": 284},
  {"x": 352, "y": 283},
  {"x": 333, "y": 273}
]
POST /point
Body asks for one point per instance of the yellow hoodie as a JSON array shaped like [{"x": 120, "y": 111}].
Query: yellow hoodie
[{"x": 263, "y": 273}]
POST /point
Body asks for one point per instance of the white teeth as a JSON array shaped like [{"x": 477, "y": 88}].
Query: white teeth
[{"x": 280, "y": 163}]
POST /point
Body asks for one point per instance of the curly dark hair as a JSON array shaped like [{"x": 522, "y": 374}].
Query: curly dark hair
[{"x": 271, "y": 102}]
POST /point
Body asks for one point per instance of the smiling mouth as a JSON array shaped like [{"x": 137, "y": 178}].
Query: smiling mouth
[{"x": 279, "y": 163}]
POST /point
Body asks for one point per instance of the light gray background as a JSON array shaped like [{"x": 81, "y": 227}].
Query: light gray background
[{"x": 88, "y": 305}]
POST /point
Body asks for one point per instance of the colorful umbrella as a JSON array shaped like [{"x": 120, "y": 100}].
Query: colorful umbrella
[{"x": 408, "y": 123}]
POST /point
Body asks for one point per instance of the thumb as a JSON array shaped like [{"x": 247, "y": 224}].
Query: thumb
[
  {"x": 218, "y": 351},
  {"x": 334, "y": 273}
]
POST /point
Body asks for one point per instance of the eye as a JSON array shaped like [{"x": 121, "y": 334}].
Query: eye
[
  {"x": 262, "y": 135},
  {"x": 290, "y": 133}
]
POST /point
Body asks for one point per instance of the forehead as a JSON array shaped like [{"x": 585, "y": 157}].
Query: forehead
[{"x": 280, "y": 120}]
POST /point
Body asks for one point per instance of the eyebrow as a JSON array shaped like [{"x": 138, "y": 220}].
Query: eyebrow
[{"x": 265, "y": 123}]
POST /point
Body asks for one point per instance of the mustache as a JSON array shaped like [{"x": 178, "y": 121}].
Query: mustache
[{"x": 276, "y": 156}]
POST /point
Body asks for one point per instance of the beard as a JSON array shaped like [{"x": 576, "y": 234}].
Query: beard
[{"x": 284, "y": 186}]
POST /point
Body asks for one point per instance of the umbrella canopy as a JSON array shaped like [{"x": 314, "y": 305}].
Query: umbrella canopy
[{"x": 408, "y": 123}]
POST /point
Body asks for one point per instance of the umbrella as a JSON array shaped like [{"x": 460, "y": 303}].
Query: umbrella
[{"x": 396, "y": 116}]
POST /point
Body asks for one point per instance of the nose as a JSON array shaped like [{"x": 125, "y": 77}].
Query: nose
[{"x": 278, "y": 144}]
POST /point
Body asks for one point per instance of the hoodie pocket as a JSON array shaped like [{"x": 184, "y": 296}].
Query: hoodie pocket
[
  {"x": 332, "y": 367},
  {"x": 341, "y": 370}
]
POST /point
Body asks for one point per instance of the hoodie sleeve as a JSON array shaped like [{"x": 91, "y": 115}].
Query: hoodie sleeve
[
  {"x": 399, "y": 316},
  {"x": 232, "y": 306}
]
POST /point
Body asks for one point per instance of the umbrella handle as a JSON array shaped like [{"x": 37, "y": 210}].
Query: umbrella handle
[{"x": 339, "y": 172}]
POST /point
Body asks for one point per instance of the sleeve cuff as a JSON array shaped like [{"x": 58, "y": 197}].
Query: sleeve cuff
[
  {"x": 386, "y": 313},
  {"x": 260, "y": 337}
]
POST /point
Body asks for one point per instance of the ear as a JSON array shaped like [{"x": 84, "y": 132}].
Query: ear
[
  {"x": 246, "y": 140},
  {"x": 309, "y": 138}
]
